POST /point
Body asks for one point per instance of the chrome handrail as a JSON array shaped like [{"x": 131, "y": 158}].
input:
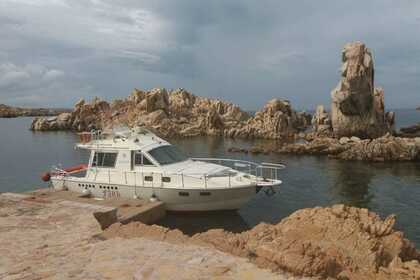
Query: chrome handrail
[{"x": 255, "y": 170}]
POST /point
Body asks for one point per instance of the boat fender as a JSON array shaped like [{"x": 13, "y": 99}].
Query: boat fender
[
  {"x": 46, "y": 176},
  {"x": 85, "y": 193},
  {"x": 153, "y": 198}
]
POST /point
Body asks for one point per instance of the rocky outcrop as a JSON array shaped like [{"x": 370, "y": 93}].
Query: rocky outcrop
[
  {"x": 339, "y": 242},
  {"x": 410, "y": 131},
  {"x": 386, "y": 148},
  {"x": 276, "y": 120},
  {"x": 357, "y": 106},
  {"x": 180, "y": 113},
  {"x": 14, "y": 112},
  {"x": 321, "y": 121}
]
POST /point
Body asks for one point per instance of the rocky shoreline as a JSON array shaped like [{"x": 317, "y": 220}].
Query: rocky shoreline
[
  {"x": 38, "y": 237},
  {"x": 14, "y": 112},
  {"x": 385, "y": 148}
]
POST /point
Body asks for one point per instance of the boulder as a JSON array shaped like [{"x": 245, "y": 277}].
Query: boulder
[
  {"x": 275, "y": 121},
  {"x": 357, "y": 106},
  {"x": 321, "y": 121},
  {"x": 156, "y": 99}
]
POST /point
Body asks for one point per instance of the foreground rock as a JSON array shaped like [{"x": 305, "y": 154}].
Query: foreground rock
[
  {"x": 180, "y": 113},
  {"x": 13, "y": 112},
  {"x": 338, "y": 242},
  {"x": 41, "y": 239},
  {"x": 52, "y": 240}
]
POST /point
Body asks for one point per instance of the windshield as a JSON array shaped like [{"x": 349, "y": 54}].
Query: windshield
[{"x": 167, "y": 155}]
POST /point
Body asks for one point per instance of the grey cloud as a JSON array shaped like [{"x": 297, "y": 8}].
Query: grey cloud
[{"x": 243, "y": 51}]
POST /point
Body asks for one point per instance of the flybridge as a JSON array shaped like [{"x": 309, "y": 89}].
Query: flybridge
[{"x": 119, "y": 138}]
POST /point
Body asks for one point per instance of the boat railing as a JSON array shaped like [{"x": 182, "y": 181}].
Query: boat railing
[
  {"x": 264, "y": 171},
  {"x": 258, "y": 173}
]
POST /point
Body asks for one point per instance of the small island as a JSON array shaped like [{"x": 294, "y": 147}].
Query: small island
[{"x": 14, "y": 112}]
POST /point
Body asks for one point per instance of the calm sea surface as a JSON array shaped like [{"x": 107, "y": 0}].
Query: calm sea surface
[{"x": 309, "y": 181}]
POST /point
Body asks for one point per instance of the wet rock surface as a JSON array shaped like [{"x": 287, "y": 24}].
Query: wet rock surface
[
  {"x": 180, "y": 113},
  {"x": 14, "y": 112},
  {"x": 338, "y": 242},
  {"x": 50, "y": 240}
]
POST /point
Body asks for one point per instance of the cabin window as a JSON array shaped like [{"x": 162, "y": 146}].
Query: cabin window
[
  {"x": 140, "y": 159},
  {"x": 205, "y": 193},
  {"x": 101, "y": 159},
  {"x": 148, "y": 178},
  {"x": 166, "y": 179},
  {"x": 167, "y": 155},
  {"x": 184, "y": 194}
]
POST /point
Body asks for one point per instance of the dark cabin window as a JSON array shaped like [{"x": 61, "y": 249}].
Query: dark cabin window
[
  {"x": 205, "y": 193},
  {"x": 101, "y": 159},
  {"x": 148, "y": 178},
  {"x": 184, "y": 194},
  {"x": 166, "y": 179}
]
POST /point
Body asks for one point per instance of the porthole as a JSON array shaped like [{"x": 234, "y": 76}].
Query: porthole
[
  {"x": 166, "y": 179},
  {"x": 148, "y": 178},
  {"x": 184, "y": 194},
  {"x": 205, "y": 193},
  {"x": 108, "y": 187}
]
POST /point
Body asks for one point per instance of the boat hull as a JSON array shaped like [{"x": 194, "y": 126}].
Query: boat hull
[{"x": 175, "y": 199}]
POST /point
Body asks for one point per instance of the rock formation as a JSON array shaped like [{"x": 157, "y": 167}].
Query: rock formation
[
  {"x": 339, "y": 242},
  {"x": 321, "y": 121},
  {"x": 357, "y": 106},
  {"x": 410, "y": 131},
  {"x": 385, "y": 148},
  {"x": 180, "y": 113},
  {"x": 14, "y": 112}
]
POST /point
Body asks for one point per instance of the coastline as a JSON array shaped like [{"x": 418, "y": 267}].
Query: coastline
[{"x": 43, "y": 231}]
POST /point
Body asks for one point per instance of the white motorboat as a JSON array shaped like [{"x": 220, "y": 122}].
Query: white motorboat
[{"x": 135, "y": 163}]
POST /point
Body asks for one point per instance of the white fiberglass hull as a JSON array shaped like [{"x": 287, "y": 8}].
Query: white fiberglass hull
[{"x": 175, "y": 199}]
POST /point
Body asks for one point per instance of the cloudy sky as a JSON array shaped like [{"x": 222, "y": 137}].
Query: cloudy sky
[{"x": 52, "y": 52}]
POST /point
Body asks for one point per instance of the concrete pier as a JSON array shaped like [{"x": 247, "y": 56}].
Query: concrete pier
[{"x": 105, "y": 211}]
